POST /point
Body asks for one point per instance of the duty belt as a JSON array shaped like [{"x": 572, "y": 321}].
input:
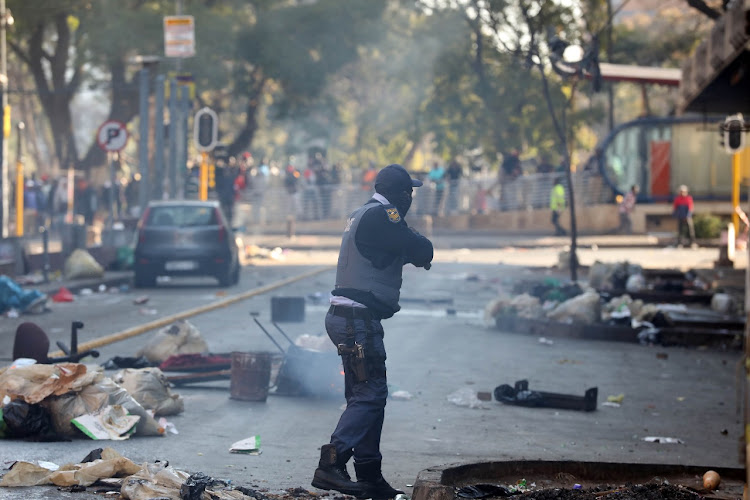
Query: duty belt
[{"x": 351, "y": 312}]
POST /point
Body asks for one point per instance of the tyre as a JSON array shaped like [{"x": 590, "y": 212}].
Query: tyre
[
  {"x": 226, "y": 276},
  {"x": 236, "y": 274}
]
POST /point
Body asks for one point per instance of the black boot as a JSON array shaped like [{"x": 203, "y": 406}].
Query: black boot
[
  {"x": 331, "y": 473},
  {"x": 373, "y": 483}
]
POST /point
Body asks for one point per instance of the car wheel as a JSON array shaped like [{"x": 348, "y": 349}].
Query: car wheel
[
  {"x": 225, "y": 276},
  {"x": 143, "y": 279},
  {"x": 236, "y": 274}
]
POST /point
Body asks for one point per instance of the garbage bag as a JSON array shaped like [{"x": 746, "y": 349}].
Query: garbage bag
[
  {"x": 584, "y": 308},
  {"x": 181, "y": 337},
  {"x": 154, "y": 480},
  {"x": 105, "y": 392},
  {"x": 81, "y": 264},
  {"x": 12, "y": 296},
  {"x": 111, "y": 465},
  {"x": 26, "y": 420},
  {"x": 195, "y": 485},
  {"x": 34, "y": 383},
  {"x": 150, "y": 387}
]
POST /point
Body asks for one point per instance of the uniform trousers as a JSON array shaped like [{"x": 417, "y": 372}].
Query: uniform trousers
[{"x": 361, "y": 423}]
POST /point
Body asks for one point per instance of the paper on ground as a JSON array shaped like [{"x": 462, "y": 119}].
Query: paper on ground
[
  {"x": 112, "y": 422},
  {"x": 248, "y": 446}
]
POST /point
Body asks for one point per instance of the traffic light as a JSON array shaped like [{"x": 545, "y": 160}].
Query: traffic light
[
  {"x": 211, "y": 176},
  {"x": 734, "y": 133},
  {"x": 205, "y": 130}
]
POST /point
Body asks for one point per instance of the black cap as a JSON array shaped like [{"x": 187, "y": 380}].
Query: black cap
[{"x": 394, "y": 178}]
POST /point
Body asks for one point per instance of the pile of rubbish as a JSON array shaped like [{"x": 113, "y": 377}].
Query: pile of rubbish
[
  {"x": 16, "y": 300},
  {"x": 67, "y": 400},
  {"x": 105, "y": 471},
  {"x": 612, "y": 297}
]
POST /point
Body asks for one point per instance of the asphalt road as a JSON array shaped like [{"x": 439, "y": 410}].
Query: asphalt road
[{"x": 690, "y": 395}]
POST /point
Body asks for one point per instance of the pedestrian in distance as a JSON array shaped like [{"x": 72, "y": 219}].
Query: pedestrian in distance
[
  {"x": 376, "y": 244},
  {"x": 682, "y": 210},
  {"x": 557, "y": 205},
  {"x": 626, "y": 208}
]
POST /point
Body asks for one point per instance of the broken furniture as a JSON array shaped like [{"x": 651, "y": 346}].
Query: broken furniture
[
  {"x": 520, "y": 395},
  {"x": 32, "y": 342}
]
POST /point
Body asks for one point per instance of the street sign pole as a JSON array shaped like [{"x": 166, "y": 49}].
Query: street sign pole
[
  {"x": 20, "y": 184},
  {"x": 143, "y": 166},
  {"x": 112, "y": 137}
]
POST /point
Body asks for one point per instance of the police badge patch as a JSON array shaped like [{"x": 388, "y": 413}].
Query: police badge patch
[{"x": 393, "y": 215}]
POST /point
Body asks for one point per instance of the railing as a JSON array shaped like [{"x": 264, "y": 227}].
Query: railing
[{"x": 477, "y": 194}]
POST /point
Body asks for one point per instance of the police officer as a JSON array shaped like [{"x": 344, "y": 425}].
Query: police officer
[{"x": 376, "y": 244}]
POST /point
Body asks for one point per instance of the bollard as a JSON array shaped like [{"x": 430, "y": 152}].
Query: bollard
[
  {"x": 45, "y": 253},
  {"x": 290, "y": 226}
]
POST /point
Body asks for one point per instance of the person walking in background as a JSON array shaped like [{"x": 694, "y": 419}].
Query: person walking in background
[
  {"x": 557, "y": 205},
  {"x": 453, "y": 174},
  {"x": 368, "y": 178},
  {"x": 437, "y": 178},
  {"x": 291, "y": 184},
  {"x": 626, "y": 208},
  {"x": 682, "y": 210}
]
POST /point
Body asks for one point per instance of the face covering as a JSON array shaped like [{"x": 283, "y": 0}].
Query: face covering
[{"x": 402, "y": 201}]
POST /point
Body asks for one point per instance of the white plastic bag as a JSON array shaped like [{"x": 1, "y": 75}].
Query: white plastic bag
[
  {"x": 81, "y": 264},
  {"x": 150, "y": 387},
  {"x": 181, "y": 337}
]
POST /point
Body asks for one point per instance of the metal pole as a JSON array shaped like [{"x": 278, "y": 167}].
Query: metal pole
[
  {"x": 173, "y": 126},
  {"x": 203, "y": 192},
  {"x": 20, "y": 184},
  {"x": 45, "y": 253},
  {"x": 158, "y": 191},
  {"x": 736, "y": 178},
  {"x": 143, "y": 140},
  {"x": 112, "y": 189},
  {"x": 5, "y": 181},
  {"x": 185, "y": 106}
]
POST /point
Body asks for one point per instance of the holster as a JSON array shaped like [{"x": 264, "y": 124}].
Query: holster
[{"x": 354, "y": 361}]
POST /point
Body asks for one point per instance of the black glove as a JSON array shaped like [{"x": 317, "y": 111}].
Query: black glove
[{"x": 427, "y": 266}]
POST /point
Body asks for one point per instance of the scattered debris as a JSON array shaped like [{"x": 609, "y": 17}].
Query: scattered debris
[
  {"x": 140, "y": 300},
  {"x": 711, "y": 480},
  {"x": 465, "y": 397},
  {"x": 81, "y": 264},
  {"x": 111, "y": 422},
  {"x": 15, "y": 298},
  {"x": 616, "y": 399},
  {"x": 150, "y": 388},
  {"x": 663, "y": 440},
  {"x": 520, "y": 395},
  {"x": 402, "y": 396},
  {"x": 248, "y": 446},
  {"x": 181, "y": 337},
  {"x": 63, "y": 295}
]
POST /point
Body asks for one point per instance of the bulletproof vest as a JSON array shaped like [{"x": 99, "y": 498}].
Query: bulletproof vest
[{"x": 355, "y": 271}]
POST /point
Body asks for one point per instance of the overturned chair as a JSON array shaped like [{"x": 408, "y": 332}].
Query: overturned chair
[{"x": 32, "y": 342}]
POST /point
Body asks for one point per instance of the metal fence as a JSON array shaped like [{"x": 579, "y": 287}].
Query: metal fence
[{"x": 273, "y": 203}]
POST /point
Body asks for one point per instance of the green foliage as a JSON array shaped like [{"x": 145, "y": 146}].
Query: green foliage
[{"x": 708, "y": 226}]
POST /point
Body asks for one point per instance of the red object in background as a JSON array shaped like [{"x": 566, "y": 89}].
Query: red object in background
[
  {"x": 660, "y": 168},
  {"x": 63, "y": 295}
]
